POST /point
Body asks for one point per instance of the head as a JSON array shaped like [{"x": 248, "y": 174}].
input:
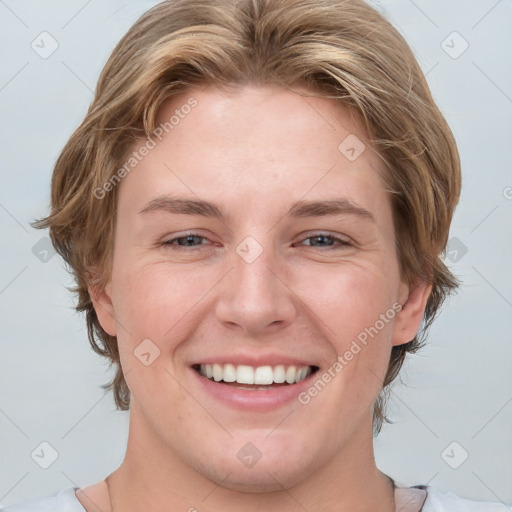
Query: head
[{"x": 208, "y": 88}]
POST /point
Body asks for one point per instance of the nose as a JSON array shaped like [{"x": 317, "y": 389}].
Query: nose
[{"x": 254, "y": 297}]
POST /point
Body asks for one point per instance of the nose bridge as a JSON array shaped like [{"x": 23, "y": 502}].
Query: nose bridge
[{"x": 254, "y": 296}]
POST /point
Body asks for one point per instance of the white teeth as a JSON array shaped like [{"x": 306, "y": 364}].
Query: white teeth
[
  {"x": 302, "y": 374},
  {"x": 260, "y": 376},
  {"x": 264, "y": 375},
  {"x": 217, "y": 372},
  {"x": 229, "y": 373},
  {"x": 279, "y": 374},
  {"x": 245, "y": 374},
  {"x": 290, "y": 374}
]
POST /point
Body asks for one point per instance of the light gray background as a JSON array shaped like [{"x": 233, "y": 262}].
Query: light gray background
[{"x": 458, "y": 389}]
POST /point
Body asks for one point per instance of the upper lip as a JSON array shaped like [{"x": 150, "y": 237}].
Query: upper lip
[{"x": 256, "y": 360}]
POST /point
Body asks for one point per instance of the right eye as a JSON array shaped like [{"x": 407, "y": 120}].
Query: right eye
[{"x": 184, "y": 241}]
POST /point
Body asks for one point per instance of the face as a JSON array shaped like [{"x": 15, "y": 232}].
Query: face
[{"x": 255, "y": 289}]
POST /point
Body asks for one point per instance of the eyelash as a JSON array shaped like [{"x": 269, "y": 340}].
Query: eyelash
[{"x": 170, "y": 243}]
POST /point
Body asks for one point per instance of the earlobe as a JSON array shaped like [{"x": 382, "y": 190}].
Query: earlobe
[
  {"x": 102, "y": 302},
  {"x": 408, "y": 320}
]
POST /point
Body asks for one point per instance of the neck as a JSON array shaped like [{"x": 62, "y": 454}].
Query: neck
[{"x": 153, "y": 478}]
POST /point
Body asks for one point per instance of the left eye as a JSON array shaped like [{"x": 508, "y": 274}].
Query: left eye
[{"x": 326, "y": 240}]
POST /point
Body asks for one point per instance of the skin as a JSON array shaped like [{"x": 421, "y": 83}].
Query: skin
[{"x": 254, "y": 151}]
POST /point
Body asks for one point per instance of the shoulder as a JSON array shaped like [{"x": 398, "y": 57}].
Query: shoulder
[
  {"x": 64, "y": 501},
  {"x": 439, "y": 501}
]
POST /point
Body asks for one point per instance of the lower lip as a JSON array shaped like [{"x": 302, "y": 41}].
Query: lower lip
[{"x": 253, "y": 399}]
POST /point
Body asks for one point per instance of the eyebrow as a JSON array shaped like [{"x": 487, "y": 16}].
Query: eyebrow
[
  {"x": 186, "y": 206},
  {"x": 340, "y": 206}
]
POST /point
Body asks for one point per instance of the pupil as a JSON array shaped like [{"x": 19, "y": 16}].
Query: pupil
[
  {"x": 323, "y": 238},
  {"x": 189, "y": 239}
]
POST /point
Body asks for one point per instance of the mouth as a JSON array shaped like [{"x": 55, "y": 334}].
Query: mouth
[{"x": 256, "y": 378}]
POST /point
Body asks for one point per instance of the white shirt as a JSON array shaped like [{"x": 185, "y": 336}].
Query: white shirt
[{"x": 407, "y": 500}]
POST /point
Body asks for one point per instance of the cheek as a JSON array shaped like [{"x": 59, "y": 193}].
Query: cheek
[
  {"x": 350, "y": 300},
  {"x": 151, "y": 307},
  {"x": 356, "y": 315},
  {"x": 157, "y": 301}
]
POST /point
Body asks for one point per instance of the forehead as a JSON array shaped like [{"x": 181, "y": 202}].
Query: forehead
[
  {"x": 254, "y": 145},
  {"x": 239, "y": 114}
]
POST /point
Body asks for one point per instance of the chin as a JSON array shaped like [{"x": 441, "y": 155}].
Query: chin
[
  {"x": 276, "y": 473},
  {"x": 262, "y": 481}
]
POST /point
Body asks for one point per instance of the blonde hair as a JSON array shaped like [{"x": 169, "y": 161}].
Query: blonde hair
[{"x": 341, "y": 49}]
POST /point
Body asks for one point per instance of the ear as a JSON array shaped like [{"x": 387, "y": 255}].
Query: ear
[
  {"x": 102, "y": 302},
  {"x": 408, "y": 319}
]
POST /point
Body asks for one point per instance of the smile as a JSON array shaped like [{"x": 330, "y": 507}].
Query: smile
[{"x": 255, "y": 376}]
